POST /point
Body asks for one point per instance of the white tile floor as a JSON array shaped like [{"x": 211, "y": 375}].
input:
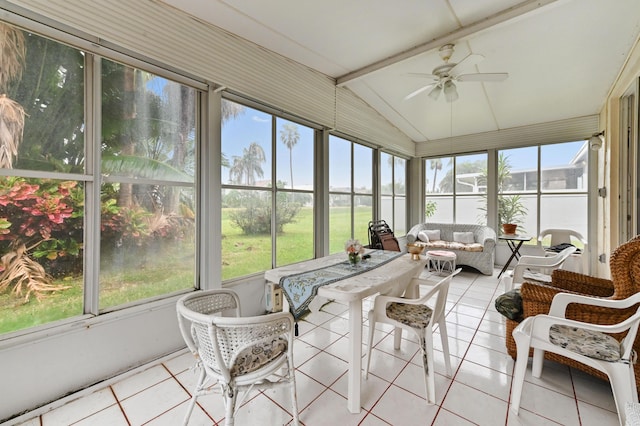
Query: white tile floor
[{"x": 478, "y": 392}]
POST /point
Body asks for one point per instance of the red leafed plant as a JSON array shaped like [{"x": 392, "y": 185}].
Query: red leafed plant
[{"x": 31, "y": 215}]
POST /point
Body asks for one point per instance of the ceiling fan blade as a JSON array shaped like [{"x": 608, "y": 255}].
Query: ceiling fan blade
[
  {"x": 423, "y": 75},
  {"x": 420, "y": 90},
  {"x": 490, "y": 76},
  {"x": 472, "y": 59}
]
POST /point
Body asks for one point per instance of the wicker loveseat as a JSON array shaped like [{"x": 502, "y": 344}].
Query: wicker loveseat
[
  {"x": 625, "y": 281},
  {"x": 479, "y": 255}
]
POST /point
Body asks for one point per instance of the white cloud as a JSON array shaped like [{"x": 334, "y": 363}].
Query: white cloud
[{"x": 259, "y": 119}]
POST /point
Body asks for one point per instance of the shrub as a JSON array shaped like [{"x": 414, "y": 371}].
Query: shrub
[{"x": 255, "y": 215}]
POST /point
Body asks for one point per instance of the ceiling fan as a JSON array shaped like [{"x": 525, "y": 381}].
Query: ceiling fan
[{"x": 444, "y": 76}]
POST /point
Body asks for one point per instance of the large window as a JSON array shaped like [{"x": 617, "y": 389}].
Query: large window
[
  {"x": 542, "y": 187},
  {"x": 538, "y": 187},
  {"x": 393, "y": 199},
  {"x": 265, "y": 225},
  {"x": 455, "y": 189},
  {"x": 350, "y": 192},
  {"x": 52, "y": 191},
  {"x": 147, "y": 243}
]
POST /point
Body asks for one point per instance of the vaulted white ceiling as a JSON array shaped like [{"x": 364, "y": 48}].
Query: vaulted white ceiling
[{"x": 562, "y": 56}]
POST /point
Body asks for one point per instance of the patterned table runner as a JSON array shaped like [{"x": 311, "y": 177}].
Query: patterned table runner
[{"x": 300, "y": 289}]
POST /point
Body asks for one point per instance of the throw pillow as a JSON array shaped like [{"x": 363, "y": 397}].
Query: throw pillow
[
  {"x": 509, "y": 304},
  {"x": 433, "y": 234},
  {"x": 422, "y": 236},
  {"x": 463, "y": 237}
]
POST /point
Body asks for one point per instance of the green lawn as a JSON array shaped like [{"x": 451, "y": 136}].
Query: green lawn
[
  {"x": 161, "y": 274},
  {"x": 247, "y": 254}
]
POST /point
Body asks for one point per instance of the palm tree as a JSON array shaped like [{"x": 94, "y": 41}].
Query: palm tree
[
  {"x": 253, "y": 157},
  {"x": 245, "y": 169},
  {"x": 12, "y": 57},
  {"x": 289, "y": 135},
  {"x": 435, "y": 165},
  {"x": 230, "y": 110},
  {"x": 237, "y": 170}
]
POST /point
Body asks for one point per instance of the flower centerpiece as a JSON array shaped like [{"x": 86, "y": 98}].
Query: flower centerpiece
[{"x": 354, "y": 249}]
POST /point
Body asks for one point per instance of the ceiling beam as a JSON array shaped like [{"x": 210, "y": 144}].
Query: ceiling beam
[{"x": 456, "y": 35}]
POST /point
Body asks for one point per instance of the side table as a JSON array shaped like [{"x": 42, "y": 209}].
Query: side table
[{"x": 514, "y": 242}]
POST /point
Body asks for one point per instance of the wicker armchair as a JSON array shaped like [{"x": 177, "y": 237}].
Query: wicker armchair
[
  {"x": 236, "y": 353},
  {"x": 625, "y": 281}
]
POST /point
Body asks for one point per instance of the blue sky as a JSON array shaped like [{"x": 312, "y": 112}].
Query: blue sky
[
  {"x": 552, "y": 155},
  {"x": 256, "y": 126}
]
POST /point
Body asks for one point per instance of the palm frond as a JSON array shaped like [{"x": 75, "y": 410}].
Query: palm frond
[
  {"x": 11, "y": 130},
  {"x": 141, "y": 167},
  {"x": 26, "y": 274},
  {"x": 12, "y": 54}
]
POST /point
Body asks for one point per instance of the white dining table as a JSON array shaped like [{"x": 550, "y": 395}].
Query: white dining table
[{"x": 352, "y": 290}]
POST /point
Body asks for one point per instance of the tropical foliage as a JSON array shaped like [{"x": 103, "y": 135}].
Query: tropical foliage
[
  {"x": 252, "y": 210},
  {"x": 147, "y": 138},
  {"x": 40, "y": 226},
  {"x": 12, "y": 57}
]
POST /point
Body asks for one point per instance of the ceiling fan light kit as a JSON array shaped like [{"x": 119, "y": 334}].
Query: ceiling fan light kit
[
  {"x": 435, "y": 92},
  {"x": 450, "y": 91},
  {"x": 445, "y": 75}
]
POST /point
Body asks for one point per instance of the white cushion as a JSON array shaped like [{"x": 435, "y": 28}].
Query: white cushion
[
  {"x": 463, "y": 237},
  {"x": 423, "y": 236},
  {"x": 432, "y": 234}
]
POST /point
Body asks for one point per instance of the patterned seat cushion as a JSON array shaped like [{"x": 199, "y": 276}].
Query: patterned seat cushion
[
  {"x": 256, "y": 356},
  {"x": 539, "y": 277},
  {"x": 592, "y": 344},
  {"x": 509, "y": 304},
  {"x": 416, "y": 316},
  {"x": 451, "y": 245}
]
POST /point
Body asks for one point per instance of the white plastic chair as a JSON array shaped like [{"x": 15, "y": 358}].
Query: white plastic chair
[
  {"x": 582, "y": 342},
  {"x": 418, "y": 317},
  {"x": 578, "y": 263},
  {"x": 536, "y": 268},
  {"x": 236, "y": 353},
  {"x": 560, "y": 236}
]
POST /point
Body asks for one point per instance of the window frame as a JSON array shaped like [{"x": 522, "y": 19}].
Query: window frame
[
  {"x": 454, "y": 194},
  {"x": 273, "y": 190},
  {"x": 92, "y": 177},
  {"x": 394, "y": 195},
  {"x": 352, "y": 193}
]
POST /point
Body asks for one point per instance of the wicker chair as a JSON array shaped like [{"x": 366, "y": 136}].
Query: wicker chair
[
  {"x": 625, "y": 281},
  {"x": 236, "y": 352}
]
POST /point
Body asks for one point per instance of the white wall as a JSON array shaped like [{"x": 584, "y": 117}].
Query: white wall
[{"x": 47, "y": 365}]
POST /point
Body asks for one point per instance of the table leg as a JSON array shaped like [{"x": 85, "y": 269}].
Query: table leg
[
  {"x": 355, "y": 362},
  {"x": 515, "y": 248},
  {"x": 515, "y": 253}
]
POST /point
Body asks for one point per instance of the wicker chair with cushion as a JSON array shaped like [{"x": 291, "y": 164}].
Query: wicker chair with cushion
[
  {"x": 625, "y": 281},
  {"x": 236, "y": 352}
]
